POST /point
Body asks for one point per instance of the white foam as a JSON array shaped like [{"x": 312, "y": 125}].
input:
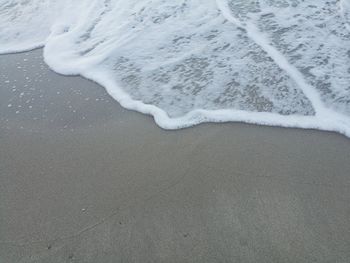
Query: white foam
[
  {"x": 344, "y": 6},
  {"x": 284, "y": 63}
]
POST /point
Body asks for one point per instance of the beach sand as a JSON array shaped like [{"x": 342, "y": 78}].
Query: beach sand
[{"x": 84, "y": 180}]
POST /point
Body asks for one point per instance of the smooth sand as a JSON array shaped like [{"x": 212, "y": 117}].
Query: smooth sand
[{"x": 83, "y": 180}]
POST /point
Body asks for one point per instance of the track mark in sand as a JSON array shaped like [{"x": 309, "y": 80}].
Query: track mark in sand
[{"x": 103, "y": 220}]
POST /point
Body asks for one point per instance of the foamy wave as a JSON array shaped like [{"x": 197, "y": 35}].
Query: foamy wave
[{"x": 271, "y": 62}]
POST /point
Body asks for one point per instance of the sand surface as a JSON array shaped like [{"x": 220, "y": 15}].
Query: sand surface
[{"x": 84, "y": 180}]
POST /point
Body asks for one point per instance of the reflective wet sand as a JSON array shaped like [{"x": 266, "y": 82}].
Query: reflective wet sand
[{"x": 83, "y": 180}]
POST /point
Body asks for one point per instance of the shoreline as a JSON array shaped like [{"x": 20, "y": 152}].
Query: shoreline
[{"x": 197, "y": 117}]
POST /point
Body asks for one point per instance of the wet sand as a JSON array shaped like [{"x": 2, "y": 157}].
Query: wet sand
[{"x": 84, "y": 180}]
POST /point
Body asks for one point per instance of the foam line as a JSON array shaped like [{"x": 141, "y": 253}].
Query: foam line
[
  {"x": 344, "y": 6},
  {"x": 334, "y": 122},
  {"x": 260, "y": 39}
]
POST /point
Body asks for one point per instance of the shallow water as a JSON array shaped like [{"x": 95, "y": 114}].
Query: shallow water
[{"x": 274, "y": 62}]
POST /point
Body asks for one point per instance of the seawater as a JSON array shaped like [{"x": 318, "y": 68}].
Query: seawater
[{"x": 271, "y": 62}]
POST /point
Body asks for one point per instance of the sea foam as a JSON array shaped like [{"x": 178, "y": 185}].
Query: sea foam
[{"x": 271, "y": 62}]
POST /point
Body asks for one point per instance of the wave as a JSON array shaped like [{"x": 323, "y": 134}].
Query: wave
[{"x": 270, "y": 62}]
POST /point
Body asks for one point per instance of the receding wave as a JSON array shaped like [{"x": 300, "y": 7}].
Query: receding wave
[{"x": 272, "y": 62}]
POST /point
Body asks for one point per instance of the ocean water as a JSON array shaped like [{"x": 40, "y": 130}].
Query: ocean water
[{"x": 271, "y": 62}]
